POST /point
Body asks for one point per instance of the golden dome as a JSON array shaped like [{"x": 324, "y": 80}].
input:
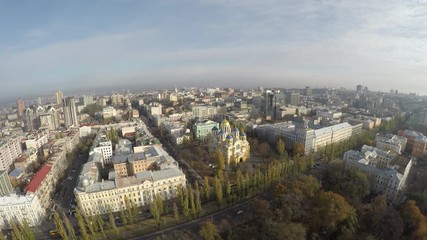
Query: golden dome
[{"x": 225, "y": 123}]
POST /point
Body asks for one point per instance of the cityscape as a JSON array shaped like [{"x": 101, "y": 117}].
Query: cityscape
[{"x": 213, "y": 120}]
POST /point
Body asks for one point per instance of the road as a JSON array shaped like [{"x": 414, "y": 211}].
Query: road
[
  {"x": 194, "y": 226},
  {"x": 63, "y": 199}
]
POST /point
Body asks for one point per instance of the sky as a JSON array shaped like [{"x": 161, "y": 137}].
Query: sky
[{"x": 75, "y": 46}]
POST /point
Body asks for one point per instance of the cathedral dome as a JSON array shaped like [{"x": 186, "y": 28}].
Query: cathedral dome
[{"x": 225, "y": 123}]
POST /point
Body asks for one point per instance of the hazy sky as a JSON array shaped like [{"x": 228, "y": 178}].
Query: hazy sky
[{"x": 72, "y": 45}]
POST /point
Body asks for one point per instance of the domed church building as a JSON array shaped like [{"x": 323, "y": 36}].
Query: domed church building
[{"x": 231, "y": 142}]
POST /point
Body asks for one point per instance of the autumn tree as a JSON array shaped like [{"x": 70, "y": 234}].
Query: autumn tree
[
  {"x": 208, "y": 231},
  {"x": 298, "y": 149},
  {"x": 264, "y": 149},
  {"x": 280, "y": 147},
  {"x": 330, "y": 210},
  {"x": 207, "y": 189},
  {"x": 220, "y": 159}
]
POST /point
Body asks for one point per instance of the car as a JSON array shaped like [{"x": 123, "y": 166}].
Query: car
[
  {"x": 239, "y": 212},
  {"x": 70, "y": 178}
]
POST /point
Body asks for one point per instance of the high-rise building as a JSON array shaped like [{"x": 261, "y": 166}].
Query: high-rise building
[
  {"x": 20, "y": 105},
  {"x": 59, "y": 96},
  {"x": 5, "y": 185},
  {"x": 293, "y": 99},
  {"x": 308, "y": 91},
  {"x": 10, "y": 149},
  {"x": 70, "y": 112},
  {"x": 359, "y": 88},
  {"x": 39, "y": 101}
]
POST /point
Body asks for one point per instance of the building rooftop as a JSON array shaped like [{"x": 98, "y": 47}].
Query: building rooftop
[
  {"x": 38, "y": 178},
  {"x": 16, "y": 199}
]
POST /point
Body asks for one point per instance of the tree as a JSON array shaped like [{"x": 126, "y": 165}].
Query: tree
[
  {"x": 70, "y": 228},
  {"x": 175, "y": 211},
  {"x": 329, "y": 211},
  {"x": 123, "y": 217},
  {"x": 2, "y": 236},
  {"x": 198, "y": 201},
  {"x": 298, "y": 149},
  {"x": 280, "y": 147},
  {"x": 81, "y": 223},
  {"x": 112, "y": 224},
  {"x": 100, "y": 222},
  {"x": 60, "y": 226},
  {"x": 415, "y": 221},
  {"x": 218, "y": 191},
  {"x": 16, "y": 232},
  {"x": 264, "y": 149},
  {"x": 297, "y": 112},
  {"x": 207, "y": 189},
  {"x": 185, "y": 208},
  {"x": 208, "y": 231},
  {"x": 192, "y": 202},
  {"x": 129, "y": 212},
  {"x": 220, "y": 159},
  {"x": 156, "y": 209}
]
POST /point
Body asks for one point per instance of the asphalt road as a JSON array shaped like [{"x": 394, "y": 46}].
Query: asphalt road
[{"x": 194, "y": 226}]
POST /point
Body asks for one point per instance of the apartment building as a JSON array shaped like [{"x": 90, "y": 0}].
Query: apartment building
[
  {"x": 10, "y": 149},
  {"x": 15, "y": 207},
  {"x": 416, "y": 144},
  {"x": 386, "y": 169},
  {"x": 391, "y": 142}
]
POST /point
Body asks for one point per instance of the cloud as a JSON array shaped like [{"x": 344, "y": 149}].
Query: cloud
[
  {"x": 37, "y": 33},
  {"x": 246, "y": 43}
]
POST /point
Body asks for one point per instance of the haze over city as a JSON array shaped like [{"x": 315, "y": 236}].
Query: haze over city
[{"x": 80, "y": 45}]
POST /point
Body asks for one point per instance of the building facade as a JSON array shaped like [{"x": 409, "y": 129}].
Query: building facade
[
  {"x": 17, "y": 208},
  {"x": 70, "y": 112},
  {"x": 233, "y": 144},
  {"x": 203, "y": 128},
  {"x": 10, "y": 149},
  {"x": 386, "y": 170}
]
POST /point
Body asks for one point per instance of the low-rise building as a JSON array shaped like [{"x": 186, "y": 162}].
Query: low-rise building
[
  {"x": 417, "y": 142},
  {"x": 202, "y": 129},
  {"x": 391, "y": 142},
  {"x": 104, "y": 146}
]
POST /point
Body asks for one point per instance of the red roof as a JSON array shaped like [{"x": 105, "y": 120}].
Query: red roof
[{"x": 38, "y": 178}]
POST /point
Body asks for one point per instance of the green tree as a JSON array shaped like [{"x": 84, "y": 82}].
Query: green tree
[
  {"x": 100, "y": 222},
  {"x": 192, "y": 202},
  {"x": 280, "y": 147},
  {"x": 297, "y": 112},
  {"x": 218, "y": 192},
  {"x": 27, "y": 231},
  {"x": 175, "y": 211},
  {"x": 156, "y": 209},
  {"x": 112, "y": 224},
  {"x": 60, "y": 226},
  {"x": 123, "y": 217},
  {"x": 69, "y": 227},
  {"x": 129, "y": 212},
  {"x": 185, "y": 208},
  {"x": 81, "y": 223},
  {"x": 208, "y": 231},
  {"x": 207, "y": 189},
  {"x": 16, "y": 232},
  {"x": 2, "y": 236}
]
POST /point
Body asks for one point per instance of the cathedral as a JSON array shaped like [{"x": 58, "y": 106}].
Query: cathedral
[{"x": 231, "y": 142}]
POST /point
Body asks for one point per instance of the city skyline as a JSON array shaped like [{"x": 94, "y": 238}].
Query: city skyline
[{"x": 74, "y": 46}]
